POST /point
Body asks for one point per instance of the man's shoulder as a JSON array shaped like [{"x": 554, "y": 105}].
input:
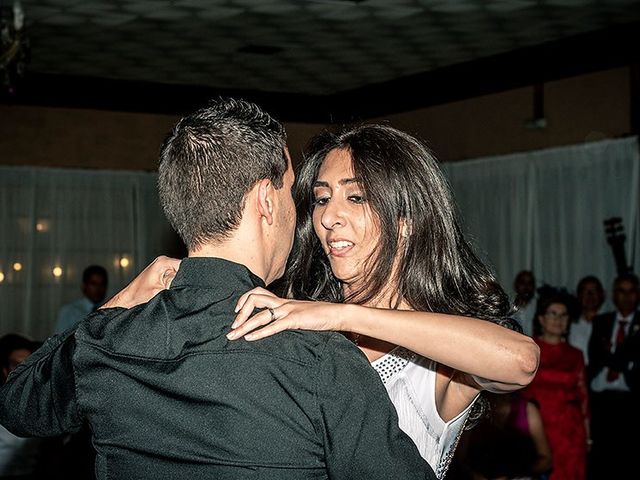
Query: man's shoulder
[
  {"x": 308, "y": 347},
  {"x": 138, "y": 331},
  {"x": 97, "y": 324},
  {"x": 150, "y": 330}
]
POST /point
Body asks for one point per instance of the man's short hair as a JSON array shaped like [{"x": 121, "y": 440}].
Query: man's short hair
[
  {"x": 627, "y": 277},
  {"x": 525, "y": 273},
  {"x": 211, "y": 160},
  {"x": 94, "y": 270},
  {"x": 589, "y": 279}
]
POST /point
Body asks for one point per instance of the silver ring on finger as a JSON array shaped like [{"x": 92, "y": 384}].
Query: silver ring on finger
[{"x": 273, "y": 314}]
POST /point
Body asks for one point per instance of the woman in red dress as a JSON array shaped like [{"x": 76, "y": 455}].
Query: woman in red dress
[{"x": 561, "y": 391}]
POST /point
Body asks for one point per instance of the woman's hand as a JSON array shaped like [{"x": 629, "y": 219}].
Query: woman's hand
[
  {"x": 151, "y": 281},
  {"x": 280, "y": 314}
]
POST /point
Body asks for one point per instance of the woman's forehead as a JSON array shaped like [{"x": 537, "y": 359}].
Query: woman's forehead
[{"x": 338, "y": 162}]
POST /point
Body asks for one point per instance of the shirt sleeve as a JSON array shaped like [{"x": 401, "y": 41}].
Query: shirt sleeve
[
  {"x": 38, "y": 399},
  {"x": 358, "y": 421}
]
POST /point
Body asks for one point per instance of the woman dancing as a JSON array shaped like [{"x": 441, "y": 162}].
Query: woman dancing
[{"x": 379, "y": 255}]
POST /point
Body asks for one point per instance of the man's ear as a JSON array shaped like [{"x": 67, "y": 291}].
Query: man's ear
[{"x": 265, "y": 199}]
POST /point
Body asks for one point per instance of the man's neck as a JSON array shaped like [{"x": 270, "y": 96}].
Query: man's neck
[{"x": 234, "y": 252}]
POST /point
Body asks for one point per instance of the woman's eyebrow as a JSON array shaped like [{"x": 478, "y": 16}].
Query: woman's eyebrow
[{"x": 344, "y": 181}]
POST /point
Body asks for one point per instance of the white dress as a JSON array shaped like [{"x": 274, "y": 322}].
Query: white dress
[{"x": 410, "y": 380}]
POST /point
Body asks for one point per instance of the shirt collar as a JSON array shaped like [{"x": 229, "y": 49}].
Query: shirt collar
[
  {"x": 216, "y": 273},
  {"x": 628, "y": 318}
]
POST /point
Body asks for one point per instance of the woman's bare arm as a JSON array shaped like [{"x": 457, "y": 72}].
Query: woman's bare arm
[
  {"x": 498, "y": 359},
  {"x": 543, "y": 462}
]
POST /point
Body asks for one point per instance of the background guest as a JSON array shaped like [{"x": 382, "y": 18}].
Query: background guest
[
  {"x": 560, "y": 388},
  {"x": 94, "y": 290},
  {"x": 590, "y": 298},
  {"x": 614, "y": 361},
  {"x": 525, "y": 302},
  {"x": 19, "y": 457},
  {"x": 509, "y": 443}
]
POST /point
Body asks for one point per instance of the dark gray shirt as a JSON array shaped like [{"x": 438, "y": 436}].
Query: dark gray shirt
[{"x": 168, "y": 396}]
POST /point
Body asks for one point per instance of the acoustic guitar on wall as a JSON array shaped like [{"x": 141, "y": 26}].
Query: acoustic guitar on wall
[{"x": 615, "y": 237}]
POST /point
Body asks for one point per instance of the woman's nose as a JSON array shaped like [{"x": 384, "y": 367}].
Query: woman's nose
[{"x": 333, "y": 215}]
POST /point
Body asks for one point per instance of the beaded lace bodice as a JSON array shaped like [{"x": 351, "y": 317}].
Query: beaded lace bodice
[{"x": 410, "y": 380}]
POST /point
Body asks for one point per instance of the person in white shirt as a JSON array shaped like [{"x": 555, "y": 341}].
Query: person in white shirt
[
  {"x": 590, "y": 298},
  {"x": 94, "y": 290},
  {"x": 614, "y": 361},
  {"x": 525, "y": 301}
]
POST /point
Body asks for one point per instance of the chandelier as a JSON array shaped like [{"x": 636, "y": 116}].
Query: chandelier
[{"x": 14, "y": 47}]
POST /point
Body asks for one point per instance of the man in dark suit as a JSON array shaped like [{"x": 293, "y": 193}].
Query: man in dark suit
[
  {"x": 166, "y": 394},
  {"x": 614, "y": 365}
]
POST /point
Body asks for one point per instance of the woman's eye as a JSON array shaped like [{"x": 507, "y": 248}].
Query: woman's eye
[
  {"x": 321, "y": 201},
  {"x": 357, "y": 199}
]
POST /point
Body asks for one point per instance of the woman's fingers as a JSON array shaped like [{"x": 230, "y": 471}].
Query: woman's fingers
[
  {"x": 271, "y": 329},
  {"x": 253, "y": 291},
  {"x": 280, "y": 314},
  {"x": 253, "y": 301},
  {"x": 265, "y": 317}
]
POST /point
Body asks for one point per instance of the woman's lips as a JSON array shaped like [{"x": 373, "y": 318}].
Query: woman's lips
[{"x": 339, "y": 248}]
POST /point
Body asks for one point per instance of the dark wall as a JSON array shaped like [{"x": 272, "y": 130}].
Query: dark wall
[{"x": 578, "y": 109}]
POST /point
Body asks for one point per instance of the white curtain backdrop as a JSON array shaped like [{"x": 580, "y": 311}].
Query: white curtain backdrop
[
  {"x": 69, "y": 219},
  {"x": 539, "y": 210},
  {"x": 544, "y": 210}
]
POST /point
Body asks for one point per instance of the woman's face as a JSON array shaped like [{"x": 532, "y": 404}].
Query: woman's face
[
  {"x": 348, "y": 229},
  {"x": 555, "y": 320}
]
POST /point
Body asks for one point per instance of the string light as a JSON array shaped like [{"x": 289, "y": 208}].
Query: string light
[
  {"x": 1, "y": 277},
  {"x": 57, "y": 272},
  {"x": 124, "y": 262},
  {"x": 17, "y": 266}
]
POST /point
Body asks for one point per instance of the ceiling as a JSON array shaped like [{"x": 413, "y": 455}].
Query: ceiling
[{"x": 318, "y": 51}]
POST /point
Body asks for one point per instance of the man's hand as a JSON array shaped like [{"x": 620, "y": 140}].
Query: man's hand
[{"x": 152, "y": 280}]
